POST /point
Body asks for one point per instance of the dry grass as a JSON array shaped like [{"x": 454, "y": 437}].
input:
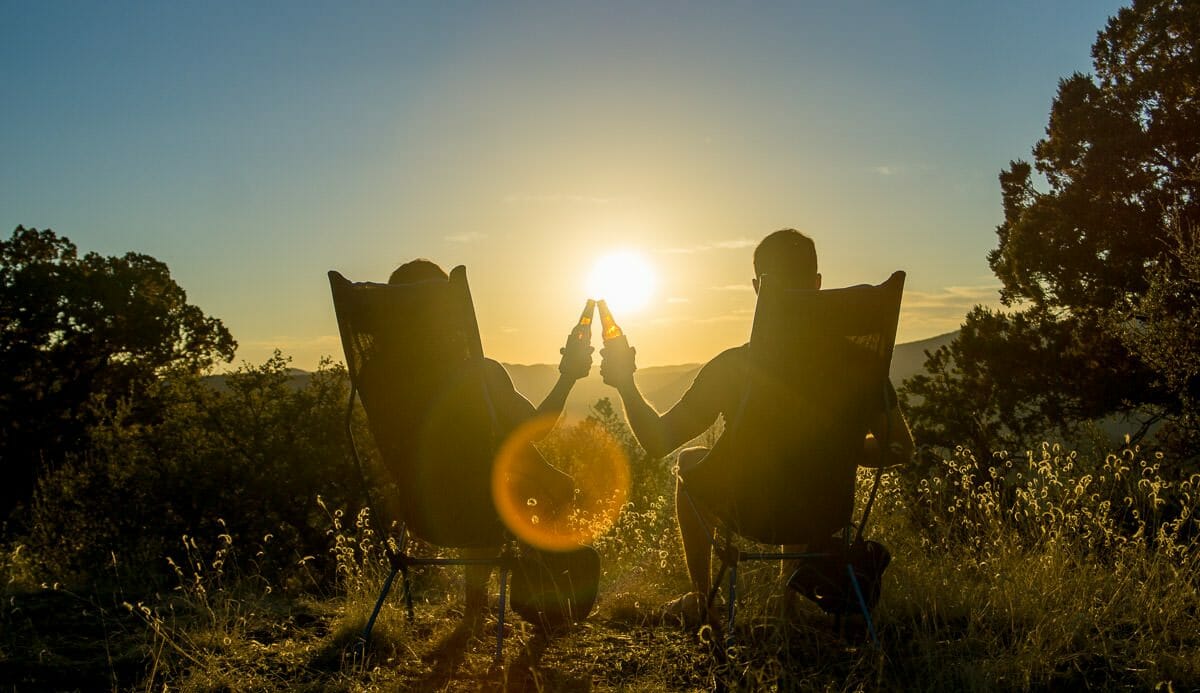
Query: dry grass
[{"x": 1050, "y": 572}]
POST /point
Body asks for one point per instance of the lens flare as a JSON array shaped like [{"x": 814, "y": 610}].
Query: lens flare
[{"x": 548, "y": 509}]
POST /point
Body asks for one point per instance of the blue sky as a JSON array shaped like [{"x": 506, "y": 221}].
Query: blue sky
[{"x": 254, "y": 146}]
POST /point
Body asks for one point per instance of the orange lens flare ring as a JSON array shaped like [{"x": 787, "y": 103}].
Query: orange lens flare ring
[{"x": 541, "y": 505}]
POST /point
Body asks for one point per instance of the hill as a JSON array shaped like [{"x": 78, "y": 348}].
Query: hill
[
  {"x": 909, "y": 358},
  {"x": 297, "y": 380}
]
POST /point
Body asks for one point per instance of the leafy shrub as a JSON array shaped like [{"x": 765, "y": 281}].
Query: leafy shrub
[
  {"x": 642, "y": 542},
  {"x": 255, "y": 451}
]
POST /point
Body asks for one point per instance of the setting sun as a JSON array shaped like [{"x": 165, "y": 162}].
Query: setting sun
[{"x": 624, "y": 278}]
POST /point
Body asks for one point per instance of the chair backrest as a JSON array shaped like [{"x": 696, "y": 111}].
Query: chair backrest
[
  {"x": 415, "y": 358},
  {"x": 818, "y": 364}
]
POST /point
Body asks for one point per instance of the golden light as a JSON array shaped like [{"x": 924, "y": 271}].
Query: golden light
[
  {"x": 546, "y": 512},
  {"x": 624, "y": 279}
]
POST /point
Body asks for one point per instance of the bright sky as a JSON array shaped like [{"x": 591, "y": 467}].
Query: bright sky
[{"x": 254, "y": 146}]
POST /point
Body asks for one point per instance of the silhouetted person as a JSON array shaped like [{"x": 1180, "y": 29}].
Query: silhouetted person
[
  {"x": 470, "y": 501},
  {"x": 789, "y": 258}
]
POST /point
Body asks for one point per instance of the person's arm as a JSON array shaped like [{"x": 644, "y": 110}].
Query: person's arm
[
  {"x": 658, "y": 434},
  {"x": 648, "y": 426},
  {"x": 576, "y": 363},
  {"x": 889, "y": 424},
  {"x": 556, "y": 399}
]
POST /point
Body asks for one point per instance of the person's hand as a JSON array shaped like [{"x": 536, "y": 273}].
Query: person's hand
[
  {"x": 576, "y": 360},
  {"x": 617, "y": 365}
]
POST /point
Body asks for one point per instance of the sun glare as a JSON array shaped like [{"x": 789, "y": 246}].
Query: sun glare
[{"x": 624, "y": 279}]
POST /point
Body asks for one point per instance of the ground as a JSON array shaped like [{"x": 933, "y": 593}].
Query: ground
[{"x": 58, "y": 640}]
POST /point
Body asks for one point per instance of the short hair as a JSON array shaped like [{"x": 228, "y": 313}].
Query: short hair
[
  {"x": 419, "y": 270},
  {"x": 789, "y": 254}
]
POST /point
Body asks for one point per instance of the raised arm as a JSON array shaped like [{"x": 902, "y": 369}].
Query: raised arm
[
  {"x": 576, "y": 363},
  {"x": 511, "y": 405},
  {"x": 658, "y": 434},
  {"x": 648, "y": 426}
]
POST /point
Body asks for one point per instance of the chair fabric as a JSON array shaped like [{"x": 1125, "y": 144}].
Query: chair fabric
[
  {"x": 414, "y": 356},
  {"x": 784, "y": 470}
]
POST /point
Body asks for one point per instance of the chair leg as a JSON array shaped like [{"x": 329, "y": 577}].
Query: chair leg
[
  {"x": 862, "y": 604},
  {"x": 387, "y": 587},
  {"x": 399, "y": 559},
  {"x": 716, "y": 585},
  {"x": 500, "y": 614},
  {"x": 408, "y": 600},
  {"x": 731, "y": 608}
]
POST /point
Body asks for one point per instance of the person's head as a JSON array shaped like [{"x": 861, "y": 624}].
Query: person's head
[
  {"x": 420, "y": 270},
  {"x": 789, "y": 257}
]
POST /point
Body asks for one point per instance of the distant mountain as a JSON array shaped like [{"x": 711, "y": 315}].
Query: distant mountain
[
  {"x": 909, "y": 358},
  {"x": 297, "y": 380}
]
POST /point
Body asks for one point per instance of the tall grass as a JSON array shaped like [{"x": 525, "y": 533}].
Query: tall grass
[{"x": 1043, "y": 570}]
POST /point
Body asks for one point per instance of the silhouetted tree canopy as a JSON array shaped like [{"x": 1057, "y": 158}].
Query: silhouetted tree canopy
[
  {"x": 82, "y": 335},
  {"x": 244, "y": 454},
  {"x": 1095, "y": 257}
]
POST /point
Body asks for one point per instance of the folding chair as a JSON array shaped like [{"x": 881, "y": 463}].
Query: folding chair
[
  {"x": 416, "y": 362},
  {"x": 784, "y": 471}
]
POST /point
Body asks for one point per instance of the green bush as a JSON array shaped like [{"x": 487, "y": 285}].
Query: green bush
[{"x": 246, "y": 456}]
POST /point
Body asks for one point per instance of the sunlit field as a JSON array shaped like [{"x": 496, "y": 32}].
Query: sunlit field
[{"x": 1041, "y": 569}]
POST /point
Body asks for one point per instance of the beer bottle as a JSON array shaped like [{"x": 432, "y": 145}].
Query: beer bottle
[
  {"x": 610, "y": 331},
  {"x": 582, "y": 333},
  {"x": 579, "y": 344}
]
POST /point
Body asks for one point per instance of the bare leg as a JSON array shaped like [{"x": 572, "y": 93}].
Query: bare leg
[
  {"x": 695, "y": 527},
  {"x": 786, "y": 568},
  {"x": 476, "y": 579}
]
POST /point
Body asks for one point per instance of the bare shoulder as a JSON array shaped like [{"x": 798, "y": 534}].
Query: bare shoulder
[
  {"x": 495, "y": 373},
  {"x": 732, "y": 358}
]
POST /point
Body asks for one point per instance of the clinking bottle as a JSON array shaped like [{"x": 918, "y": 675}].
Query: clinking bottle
[
  {"x": 582, "y": 332},
  {"x": 610, "y": 331}
]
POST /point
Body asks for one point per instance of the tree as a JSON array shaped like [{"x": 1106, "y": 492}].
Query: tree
[
  {"x": 245, "y": 455},
  {"x": 82, "y": 335},
  {"x": 1120, "y": 170},
  {"x": 1162, "y": 328}
]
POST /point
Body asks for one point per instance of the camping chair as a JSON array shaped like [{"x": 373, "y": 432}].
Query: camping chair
[
  {"x": 415, "y": 360},
  {"x": 784, "y": 470}
]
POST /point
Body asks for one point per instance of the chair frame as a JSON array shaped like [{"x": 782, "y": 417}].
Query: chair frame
[
  {"x": 400, "y": 559},
  {"x": 722, "y": 535}
]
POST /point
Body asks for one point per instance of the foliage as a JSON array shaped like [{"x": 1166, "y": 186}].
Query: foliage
[
  {"x": 650, "y": 476},
  {"x": 1121, "y": 166},
  {"x": 643, "y": 540},
  {"x": 1160, "y": 328},
  {"x": 248, "y": 460},
  {"x": 80, "y": 336},
  {"x": 1121, "y": 158},
  {"x": 965, "y": 399}
]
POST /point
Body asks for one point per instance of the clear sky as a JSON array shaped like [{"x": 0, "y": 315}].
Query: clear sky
[{"x": 253, "y": 146}]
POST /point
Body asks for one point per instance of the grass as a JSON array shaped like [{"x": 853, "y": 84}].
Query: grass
[{"x": 1044, "y": 571}]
